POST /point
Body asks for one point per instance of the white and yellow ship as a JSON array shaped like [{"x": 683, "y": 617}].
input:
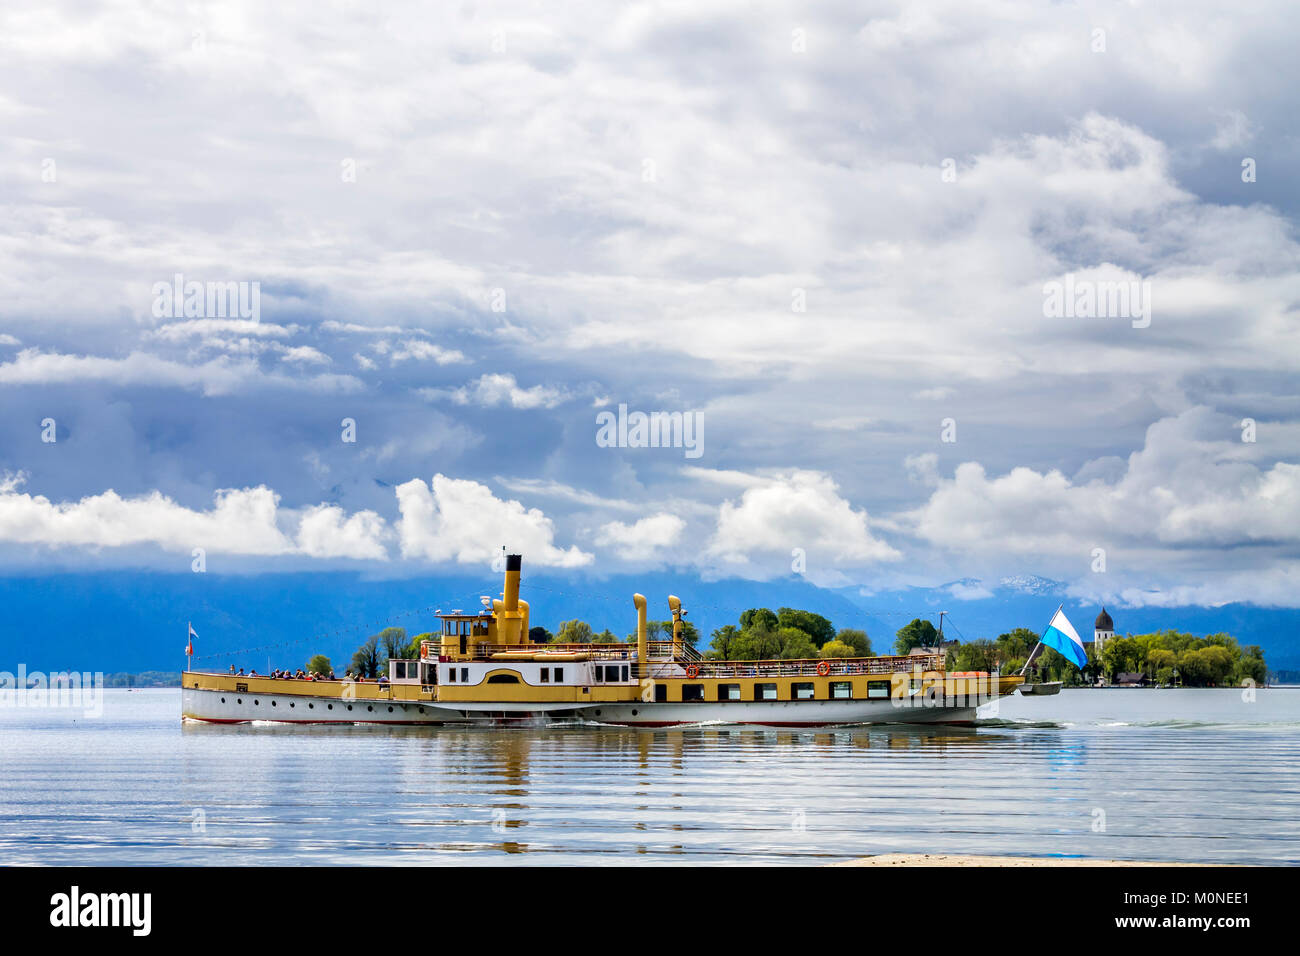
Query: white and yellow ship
[{"x": 483, "y": 670}]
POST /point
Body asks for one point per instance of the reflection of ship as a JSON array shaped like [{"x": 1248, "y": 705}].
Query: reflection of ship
[{"x": 483, "y": 670}]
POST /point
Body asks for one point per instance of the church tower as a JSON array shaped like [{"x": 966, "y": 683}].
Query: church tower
[{"x": 1102, "y": 631}]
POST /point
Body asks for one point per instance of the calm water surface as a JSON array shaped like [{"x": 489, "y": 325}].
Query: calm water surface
[{"x": 1135, "y": 774}]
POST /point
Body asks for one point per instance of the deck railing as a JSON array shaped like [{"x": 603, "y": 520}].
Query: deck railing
[
  {"x": 832, "y": 666},
  {"x": 663, "y": 664}
]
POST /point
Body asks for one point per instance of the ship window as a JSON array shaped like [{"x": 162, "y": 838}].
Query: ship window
[
  {"x": 503, "y": 679},
  {"x": 598, "y": 673},
  {"x": 841, "y": 690},
  {"x": 728, "y": 692},
  {"x": 546, "y": 675},
  {"x": 624, "y": 672},
  {"x": 801, "y": 691},
  {"x": 877, "y": 689},
  {"x": 464, "y": 675},
  {"x": 559, "y": 675},
  {"x": 764, "y": 692},
  {"x": 692, "y": 692},
  {"x": 611, "y": 672},
  {"x": 661, "y": 693},
  {"x": 451, "y": 674}
]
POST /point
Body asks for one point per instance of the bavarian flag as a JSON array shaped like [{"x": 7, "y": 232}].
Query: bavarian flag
[{"x": 1061, "y": 635}]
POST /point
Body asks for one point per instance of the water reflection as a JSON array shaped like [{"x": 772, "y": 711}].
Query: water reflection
[{"x": 371, "y": 794}]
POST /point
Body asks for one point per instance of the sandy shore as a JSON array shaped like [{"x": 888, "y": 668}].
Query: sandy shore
[{"x": 952, "y": 859}]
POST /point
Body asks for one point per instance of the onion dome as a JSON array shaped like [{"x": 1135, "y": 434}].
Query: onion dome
[{"x": 1104, "y": 623}]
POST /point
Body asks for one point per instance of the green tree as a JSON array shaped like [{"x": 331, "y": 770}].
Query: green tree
[
  {"x": 412, "y": 651},
  {"x": 1211, "y": 665},
  {"x": 857, "y": 640},
  {"x": 539, "y": 635},
  {"x": 1122, "y": 655},
  {"x": 391, "y": 645},
  {"x": 720, "y": 648},
  {"x": 818, "y": 628},
  {"x": 837, "y": 648},
  {"x": 981, "y": 655},
  {"x": 365, "y": 662},
  {"x": 320, "y": 666},
  {"x": 604, "y": 637},
  {"x": 573, "y": 632},
  {"x": 758, "y": 617},
  {"x": 690, "y": 633},
  {"x": 916, "y": 633},
  {"x": 796, "y": 645},
  {"x": 1161, "y": 663},
  {"x": 1251, "y": 665},
  {"x": 663, "y": 631},
  {"x": 756, "y": 644},
  {"x": 1017, "y": 644}
]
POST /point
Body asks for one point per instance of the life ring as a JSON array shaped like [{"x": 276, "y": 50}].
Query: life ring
[
  {"x": 823, "y": 668},
  {"x": 424, "y": 650},
  {"x": 692, "y": 670}
]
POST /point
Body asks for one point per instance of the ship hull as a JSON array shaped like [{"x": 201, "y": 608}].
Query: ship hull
[
  {"x": 788, "y": 713},
  {"x": 230, "y": 707}
]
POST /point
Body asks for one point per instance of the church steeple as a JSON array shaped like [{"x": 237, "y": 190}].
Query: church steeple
[{"x": 1102, "y": 631}]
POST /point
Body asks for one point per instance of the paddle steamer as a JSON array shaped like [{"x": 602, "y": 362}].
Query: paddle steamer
[{"x": 482, "y": 669}]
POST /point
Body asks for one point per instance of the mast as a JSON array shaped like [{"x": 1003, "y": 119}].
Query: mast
[{"x": 1033, "y": 655}]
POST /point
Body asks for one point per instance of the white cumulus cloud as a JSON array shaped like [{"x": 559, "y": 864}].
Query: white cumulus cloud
[
  {"x": 458, "y": 520},
  {"x": 644, "y": 538}
]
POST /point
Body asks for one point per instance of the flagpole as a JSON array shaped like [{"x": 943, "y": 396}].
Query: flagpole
[{"x": 1034, "y": 653}]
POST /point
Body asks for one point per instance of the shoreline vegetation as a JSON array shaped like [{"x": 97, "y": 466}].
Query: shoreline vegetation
[{"x": 1168, "y": 658}]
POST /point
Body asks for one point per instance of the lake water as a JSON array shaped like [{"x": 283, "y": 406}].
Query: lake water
[{"x": 1194, "y": 775}]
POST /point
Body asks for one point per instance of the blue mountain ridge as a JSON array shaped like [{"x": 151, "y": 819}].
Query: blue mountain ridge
[{"x": 134, "y": 621}]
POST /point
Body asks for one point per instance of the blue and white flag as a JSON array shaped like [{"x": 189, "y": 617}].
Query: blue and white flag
[{"x": 1061, "y": 635}]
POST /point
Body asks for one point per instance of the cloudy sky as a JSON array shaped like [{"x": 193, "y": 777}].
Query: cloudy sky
[{"x": 824, "y": 232}]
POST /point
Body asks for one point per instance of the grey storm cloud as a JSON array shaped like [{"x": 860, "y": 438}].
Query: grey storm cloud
[{"x": 827, "y": 230}]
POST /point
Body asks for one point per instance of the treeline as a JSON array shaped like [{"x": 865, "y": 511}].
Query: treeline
[
  {"x": 1216, "y": 660},
  {"x": 143, "y": 679},
  {"x": 1163, "y": 657},
  {"x": 761, "y": 633},
  {"x": 370, "y": 660},
  {"x": 580, "y": 632},
  {"x": 785, "y": 634}
]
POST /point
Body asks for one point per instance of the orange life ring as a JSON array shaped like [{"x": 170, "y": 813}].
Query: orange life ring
[
  {"x": 424, "y": 650},
  {"x": 692, "y": 670},
  {"x": 823, "y": 668}
]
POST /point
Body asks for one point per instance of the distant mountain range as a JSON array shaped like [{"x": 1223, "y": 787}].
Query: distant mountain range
[{"x": 125, "y": 621}]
